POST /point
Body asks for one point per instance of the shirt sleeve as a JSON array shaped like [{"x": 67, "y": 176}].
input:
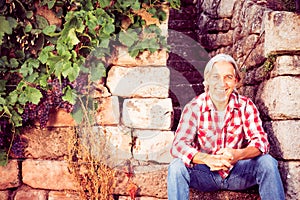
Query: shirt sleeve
[
  {"x": 253, "y": 128},
  {"x": 185, "y": 134}
]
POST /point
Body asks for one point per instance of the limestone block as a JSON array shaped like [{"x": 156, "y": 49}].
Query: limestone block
[
  {"x": 60, "y": 118},
  {"x": 225, "y": 8},
  {"x": 293, "y": 180},
  {"x": 4, "y": 194},
  {"x": 283, "y": 132},
  {"x": 48, "y": 143},
  {"x": 139, "y": 198},
  {"x": 48, "y": 174},
  {"x": 109, "y": 143},
  {"x": 286, "y": 65},
  {"x": 29, "y": 193},
  {"x": 150, "y": 179},
  {"x": 100, "y": 90},
  {"x": 279, "y": 97},
  {"x": 148, "y": 113},
  {"x": 58, "y": 195},
  {"x": 281, "y": 32},
  {"x": 9, "y": 175},
  {"x": 122, "y": 58},
  {"x": 153, "y": 145},
  {"x": 108, "y": 112},
  {"x": 250, "y": 194},
  {"x": 139, "y": 81}
]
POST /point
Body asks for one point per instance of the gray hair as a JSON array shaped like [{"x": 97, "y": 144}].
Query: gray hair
[{"x": 219, "y": 58}]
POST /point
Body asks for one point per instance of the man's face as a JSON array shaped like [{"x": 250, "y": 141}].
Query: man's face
[{"x": 221, "y": 82}]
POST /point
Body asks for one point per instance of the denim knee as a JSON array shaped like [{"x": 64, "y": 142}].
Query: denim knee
[
  {"x": 267, "y": 162},
  {"x": 177, "y": 168}
]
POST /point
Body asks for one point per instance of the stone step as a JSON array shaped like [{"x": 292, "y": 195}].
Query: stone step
[{"x": 250, "y": 194}]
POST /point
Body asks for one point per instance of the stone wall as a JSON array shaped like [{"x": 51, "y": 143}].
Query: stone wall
[{"x": 142, "y": 100}]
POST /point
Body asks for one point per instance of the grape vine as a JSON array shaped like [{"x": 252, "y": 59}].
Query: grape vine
[{"x": 48, "y": 47}]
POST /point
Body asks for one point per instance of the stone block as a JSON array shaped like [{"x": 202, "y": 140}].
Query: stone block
[
  {"x": 28, "y": 193},
  {"x": 151, "y": 113},
  {"x": 4, "y": 195},
  {"x": 151, "y": 180},
  {"x": 282, "y": 132},
  {"x": 60, "y": 118},
  {"x": 292, "y": 180},
  {"x": 122, "y": 58},
  {"x": 286, "y": 65},
  {"x": 48, "y": 174},
  {"x": 225, "y": 9},
  {"x": 48, "y": 143},
  {"x": 284, "y": 28},
  {"x": 251, "y": 194},
  {"x": 139, "y": 198},
  {"x": 65, "y": 195},
  {"x": 108, "y": 112},
  {"x": 139, "y": 81},
  {"x": 9, "y": 175},
  {"x": 151, "y": 145},
  {"x": 109, "y": 143},
  {"x": 279, "y": 97}
]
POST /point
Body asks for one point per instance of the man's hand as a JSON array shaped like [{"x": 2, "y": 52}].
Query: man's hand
[
  {"x": 214, "y": 162},
  {"x": 218, "y": 162}
]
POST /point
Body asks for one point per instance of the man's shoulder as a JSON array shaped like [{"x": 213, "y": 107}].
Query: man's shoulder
[{"x": 242, "y": 100}]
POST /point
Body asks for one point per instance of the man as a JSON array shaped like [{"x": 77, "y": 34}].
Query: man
[{"x": 220, "y": 143}]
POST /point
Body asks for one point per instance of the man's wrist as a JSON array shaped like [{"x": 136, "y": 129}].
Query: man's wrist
[{"x": 200, "y": 157}]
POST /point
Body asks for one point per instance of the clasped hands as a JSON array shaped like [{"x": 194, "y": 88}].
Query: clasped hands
[{"x": 223, "y": 160}]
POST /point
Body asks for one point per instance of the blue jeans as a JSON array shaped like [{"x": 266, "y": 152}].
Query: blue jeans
[{"x": 261, "y": 171}]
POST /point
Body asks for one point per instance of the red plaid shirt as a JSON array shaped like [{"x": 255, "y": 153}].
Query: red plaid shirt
[{"x": 197, "y": 130}]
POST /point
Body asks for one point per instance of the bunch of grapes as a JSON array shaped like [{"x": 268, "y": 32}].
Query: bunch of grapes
[{"x": 51, "y": 101}]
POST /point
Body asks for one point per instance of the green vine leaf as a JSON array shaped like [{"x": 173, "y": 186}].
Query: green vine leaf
[
  {"x": 49, "y": 30},
  {"x": 41, "y": 22},
  {"x": 72, "y": 38},
  {"x": 104, "y": 3},
  {"x": 70, "y": 95},
  {"x": 3, "y": 157},
  {"x": 33, "y": 94},
  {"x": 128, "y": 38},
  {"x": 97, "y": 71}
]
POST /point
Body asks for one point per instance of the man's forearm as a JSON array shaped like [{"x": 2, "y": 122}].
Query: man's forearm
[{"x": 247, "y": 153}]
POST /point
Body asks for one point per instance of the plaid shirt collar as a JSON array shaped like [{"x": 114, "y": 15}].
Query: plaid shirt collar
[{"x": 233, "y": 103}]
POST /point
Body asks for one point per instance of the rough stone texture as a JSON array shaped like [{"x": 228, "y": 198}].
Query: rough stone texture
[
  {"x": 25, "y": 193},
  {"x": 284, "y": 28},
  {"x": 281, "y": 134},
  {"x": 139, "y": 81},
  {"x": 151, "y": 181},
  {"x": 122, "y": 58},
  {"x": 139, "y": 198},
  {"x": 101, "y": 90},
  {"x": 58, "y": 195},
  {"x": 283, "y": 101},
  {"x": 286, "y": 65},
  {"x": 46, "y": 174},
  {"x": 48, "y": 143},
  {"x": 4, "y": 195},
  {"x": 225, "y": 9},
  {"x": 60, "y": 118},
  {"x": 293, "y": 180},
  {"x": 9, "y": 175},
  {"x": 149, "y": 113},
  {"x": 108, "y": 112},
  {"x": 153, "y": 145},
  {"x": 221, "y": 195},
  {"x": 111, "y": 144}
]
